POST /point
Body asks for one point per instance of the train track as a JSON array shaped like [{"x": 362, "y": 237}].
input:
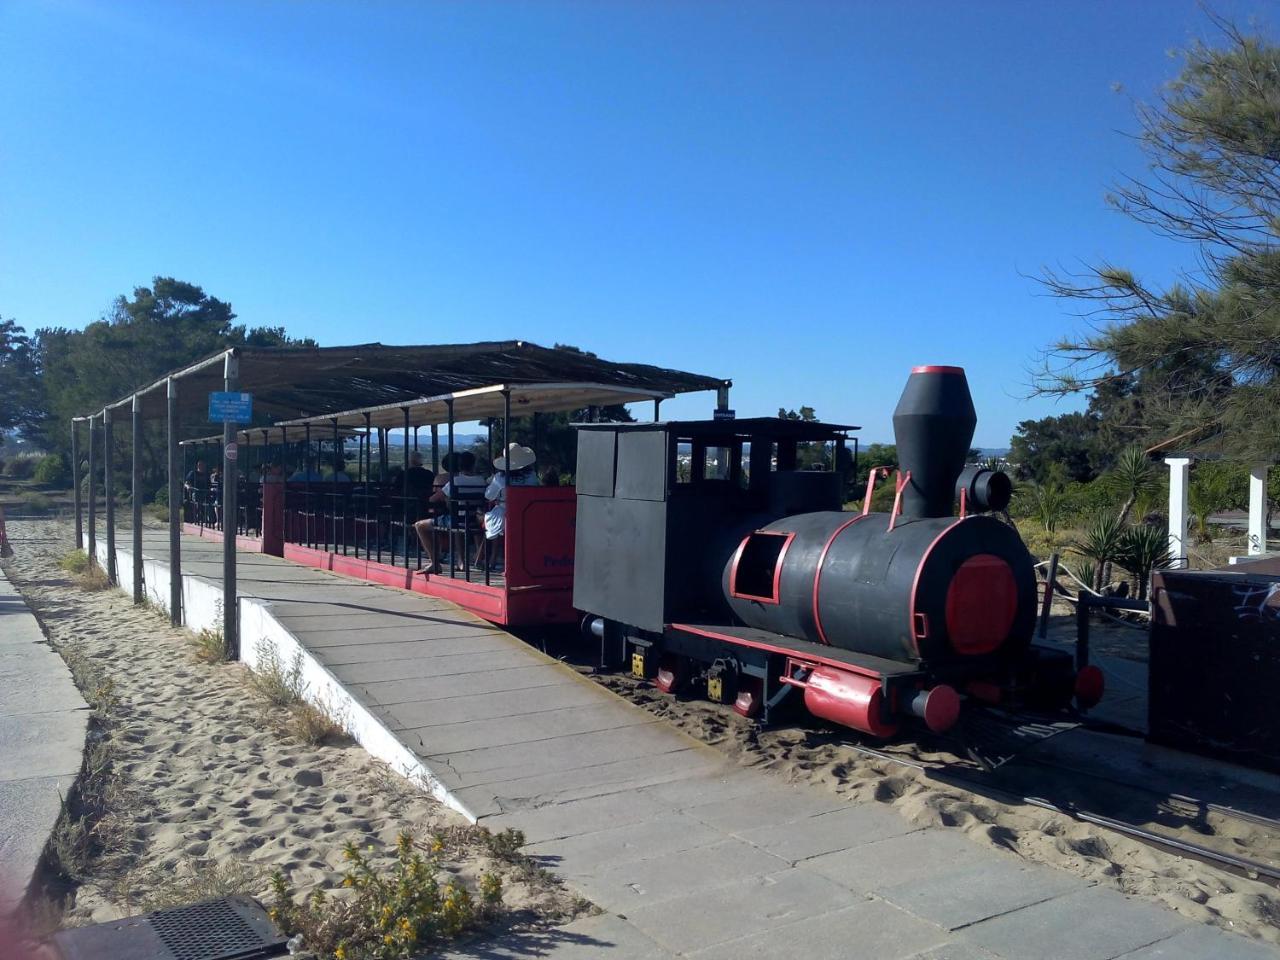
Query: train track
[{"x": 989, "y": 783}]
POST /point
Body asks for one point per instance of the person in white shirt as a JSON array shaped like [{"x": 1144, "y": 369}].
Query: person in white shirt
[{"x": 516, "y": 469}]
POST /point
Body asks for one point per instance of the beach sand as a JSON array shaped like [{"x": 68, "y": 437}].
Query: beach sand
[{"x": 205, "y": 795}]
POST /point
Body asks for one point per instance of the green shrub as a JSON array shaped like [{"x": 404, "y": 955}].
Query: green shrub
[
  {"x": 52, "y": 471},
  {"x": 396, "y": 916},
  {"x": 74, "y": 561}
]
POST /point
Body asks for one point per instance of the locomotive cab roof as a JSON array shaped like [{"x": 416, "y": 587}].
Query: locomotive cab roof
[{"x": 780, "y": 428}]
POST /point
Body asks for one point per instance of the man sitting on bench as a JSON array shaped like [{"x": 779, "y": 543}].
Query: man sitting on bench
[{"x": 468, "y": 486}]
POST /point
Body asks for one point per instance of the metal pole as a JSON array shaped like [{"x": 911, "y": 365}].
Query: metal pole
[
  {"x": 435, "y": 448},
  {"x": 108, "y": 491},
  {"x": 230, "y": 607},
  {"x": 404, "y": 530},
  {"x": 453, "y": 471},
  {"x": 137, "y": 499},
  {"x": 657, "y": 409},
  {"x": 92, "y": 549},
  {"x": 1049, "y": 583},
  {"x": 75, "y": 482},
  {"x": 337, "y": 463},
  {"x": 175, "y": 509}
]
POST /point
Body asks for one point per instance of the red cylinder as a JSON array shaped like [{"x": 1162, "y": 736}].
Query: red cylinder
[
  {"x": 847, "y": 698},
  {"x": 1089, "y": 686}
]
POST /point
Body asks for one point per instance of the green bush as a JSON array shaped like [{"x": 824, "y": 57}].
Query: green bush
[{"x": 52, "y": 471}]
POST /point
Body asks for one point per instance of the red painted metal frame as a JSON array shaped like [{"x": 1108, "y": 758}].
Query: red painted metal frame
[
  {"x": 774, "y": 648},
  {"x": 901, "y": 484},
  {"x": 774, "y": 600},
  {"x": 817, "y": 574},
  {"x": 244, "y": 542},
  {"x": 881, "y": 472},
  {"x": 915, "y": 584}
]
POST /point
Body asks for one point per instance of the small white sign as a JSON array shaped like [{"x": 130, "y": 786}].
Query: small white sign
[{"x": 231, "y": 451}]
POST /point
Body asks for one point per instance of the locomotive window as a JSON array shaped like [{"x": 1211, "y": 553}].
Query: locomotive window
[
  {"x": 757, "y": 567},
  {"x": 716, "y": 463}
]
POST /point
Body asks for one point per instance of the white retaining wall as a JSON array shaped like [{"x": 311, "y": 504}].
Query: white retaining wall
[{"x": 259, "y": 632}]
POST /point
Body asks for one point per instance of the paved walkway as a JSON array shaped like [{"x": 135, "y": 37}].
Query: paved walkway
[
  {"x": 685, "y": 854},
  {"x": 43, "y": 720}
]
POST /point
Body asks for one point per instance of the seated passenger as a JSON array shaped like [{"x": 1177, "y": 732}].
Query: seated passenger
[
  {"x": 462, "y": 479},
  {"x": 516, "y": 469}
]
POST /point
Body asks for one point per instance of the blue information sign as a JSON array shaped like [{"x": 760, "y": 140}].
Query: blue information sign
[{"x": 231, "y": 407}]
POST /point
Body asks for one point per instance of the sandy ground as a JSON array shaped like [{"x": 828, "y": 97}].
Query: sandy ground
[
  {"x": 822, "y": 756},
  {"x": 205, "y": 792}
]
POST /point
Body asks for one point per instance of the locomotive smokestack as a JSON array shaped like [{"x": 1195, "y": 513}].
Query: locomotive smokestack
[{"x": 933, "y": 427}]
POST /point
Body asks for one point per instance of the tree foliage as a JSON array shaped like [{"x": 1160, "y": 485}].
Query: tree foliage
[
  {"x": 1061, "y": 448},
  {"x": 1204, "y": 353},
  {"x": 20, "y": 393}
]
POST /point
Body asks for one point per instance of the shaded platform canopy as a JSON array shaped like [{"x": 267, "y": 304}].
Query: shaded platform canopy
[
  {"x": 294, "y": 382},
  {"x": 484, "y": 402}
]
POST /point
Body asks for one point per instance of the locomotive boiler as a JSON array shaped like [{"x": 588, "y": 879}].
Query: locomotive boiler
[{"x": 716, "y": 553}]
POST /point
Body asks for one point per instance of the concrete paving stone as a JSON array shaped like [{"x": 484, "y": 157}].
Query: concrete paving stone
[
  {"x": 344, "y": 627},
  {"x": 467, "y": 685},
  {"x": 1089, "y": 925},
  {"x": 772, "y": 804},
  {"x": 403, "y": 645},
  {"x": 957, "y": 950},
  {"x": 592, "y": 852},
  {"x": 28, "y": 811},
  {"x": 559, "y": 753},
  {"x": 966, "y": 894},
  {"x": 600, "y": 779},
  {"x": 513, "y": 703},
  {"x": 576, "y": 817},
  {"x": 425, "y": 665},
  {"x": 42, "y": 744},
  {"x": 584, "y": 939},
  {"x": 625, "y": 886},
  {"x": 1205, "y": 943},
  {"x": 736, "y": 910},
  {"x": 867, "y": 929},
  {"x": 527, "y": 728},
  {"x": 39, "y": 684},
  {"x": 684, "y": 793},
  {"x": 898, "y": 860},
  {"x": 828, "y": 832}
]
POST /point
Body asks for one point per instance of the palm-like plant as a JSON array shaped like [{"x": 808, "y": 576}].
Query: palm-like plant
[
  {"x": 1101, "y": 544},
  {"x": 1141, "y": 550},
  {"x": 1048, "y": 503},
  {"x": 1132, "y": 477},
  {"x": 1208, "y": 492}
]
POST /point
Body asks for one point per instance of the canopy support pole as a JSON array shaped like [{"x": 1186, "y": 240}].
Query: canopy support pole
[
  {"x": 108, "y": 491},
  {"x": 404, "y": 530},
  {"x": 337, "y": 466},
  {"x": 657, "y": 409},
  {"x": 93, "y": 499},
  {"x": 230, "y": 603},
  {"x": 175, "y": 507},
  {"x": 137, "y": 498},
  {"x": 435, "y": 448},
  {"x": 75, "y": 482}
]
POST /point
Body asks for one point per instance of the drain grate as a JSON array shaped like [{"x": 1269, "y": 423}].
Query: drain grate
[{"x": 234, "y": 928}]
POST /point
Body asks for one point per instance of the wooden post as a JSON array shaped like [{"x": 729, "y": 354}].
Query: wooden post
[
  {"x": 175, "y": 508},
  {"x": 137, "y": 499},
  {"x": 230, "y": 608},
  {"x": 92, "y": 548},
  {"x": 75, "y": 482},
  {"x": 108, "y": 491}
]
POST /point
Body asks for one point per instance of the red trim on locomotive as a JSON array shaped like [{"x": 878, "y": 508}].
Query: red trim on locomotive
[
  {"x": 774, "y": 648},
  {"x": 817, "y": 575},
  {"x": 934, "y": 368},
  {"x": 915, "y": 585},
  {"x": 774, "y": 600}
]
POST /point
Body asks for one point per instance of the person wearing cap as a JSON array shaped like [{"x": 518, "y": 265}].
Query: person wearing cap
[{"x": 516, "y": 468}]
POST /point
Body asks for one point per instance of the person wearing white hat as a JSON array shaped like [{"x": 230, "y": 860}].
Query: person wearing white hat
[{"x": 515, "y": 468}]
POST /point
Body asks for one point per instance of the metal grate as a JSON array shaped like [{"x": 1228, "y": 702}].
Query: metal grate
[
  {"x": 234, "y": 928},
  {"x": 214, "y": 930},
  {"x": 992, "y": 738}
]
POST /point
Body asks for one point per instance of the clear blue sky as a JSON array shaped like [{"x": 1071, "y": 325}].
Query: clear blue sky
[{"x": 807, "y": 197}]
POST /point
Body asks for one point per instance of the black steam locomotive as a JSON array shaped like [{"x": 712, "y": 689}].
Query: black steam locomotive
[{"x": 706, "y": 554}]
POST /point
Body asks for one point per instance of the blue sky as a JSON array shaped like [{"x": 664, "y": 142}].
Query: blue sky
[{"x": 808, "y": 197}]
